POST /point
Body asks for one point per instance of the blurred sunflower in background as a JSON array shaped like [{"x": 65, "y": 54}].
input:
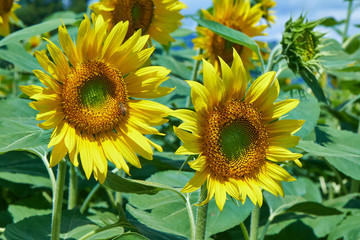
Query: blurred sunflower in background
[
  {"x": 158, "y": 18},
  {"x": 87, "y": 98},
  {"x": 268, "y": 14},
  {"x": 237, "y": 134},
  {"x": 235, "y": 14},
  {"x": 7, "y": 14}
]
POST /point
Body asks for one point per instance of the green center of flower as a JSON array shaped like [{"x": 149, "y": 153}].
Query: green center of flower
[
  {"x": 235, "y": 139},
  {"x": 94, "y": 93},
  {"x": 94, "y": 97}
]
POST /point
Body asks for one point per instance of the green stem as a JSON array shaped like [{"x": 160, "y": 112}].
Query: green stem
[
  {"x": 88, "y": 198},
  {"x": 57, "y": 201},
  {"x": 191, "y": 216},
  {"x": 244, "y": 231},
  {"x": 272, "y": 56},
  {"x": 49, "y": 170},
  {"x": 265, "y": 229},
  {"x": 72, "y": 198},
  {"x": 118, "y": 195},
  {"x": 93, "y": 232},
  {"x": 280, "y": 71},
  {"x": 201, "y": 215},
  {"x": 254, "y": 225},
  {"x": 347, "y": 20}
]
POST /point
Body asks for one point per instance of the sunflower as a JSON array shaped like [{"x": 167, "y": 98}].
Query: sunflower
[
  {"x": 158, "y": 18},
  {"x": 238, "y": 135},
  {"x": 87, "y": 99},
  {"x": 266, "y": 5},
  {"x": 7, "y": 13},
  {"x": 235, "y": 14}
]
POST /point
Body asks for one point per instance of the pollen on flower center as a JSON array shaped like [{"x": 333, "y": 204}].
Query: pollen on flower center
[
  {"x": 139, "y": 13},
  {"x": 5, "y": 6},
  {"x": 94, "y": 96},
  {"x": 234, "y": 141}
]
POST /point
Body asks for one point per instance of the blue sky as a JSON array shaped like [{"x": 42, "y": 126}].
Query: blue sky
[{"x": 315, "y": 9}]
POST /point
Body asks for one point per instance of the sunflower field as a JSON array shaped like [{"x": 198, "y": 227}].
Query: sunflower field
[{"x": 120, "y": 121}]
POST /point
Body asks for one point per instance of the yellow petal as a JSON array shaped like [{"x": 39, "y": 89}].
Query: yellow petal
[
  {"x": 283, "y": 126},
  {"x": 200, "y": 97},
  {"x": 196, "y": 182},
  {"x": 279, "y": 109},
  {"x": 213, "y": 82},
  {"x": 240, "y": 80},
  {"x": 58, "y": 153},
  {"x": 259, "y": 88}
]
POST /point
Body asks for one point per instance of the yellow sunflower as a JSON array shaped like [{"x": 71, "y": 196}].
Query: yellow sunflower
[
  {"x": 158, "y": 18},
  {"x": 266, "y": 5},
  {"x": 7, "y": 13},
  {"x": 238, "y": 15},
  {"x": 88, "y": 97},
  {"x": 237, "y": 134}
]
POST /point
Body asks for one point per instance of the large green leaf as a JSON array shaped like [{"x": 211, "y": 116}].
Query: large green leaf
[
  {"x": 167, "y": 212},
  {"x": 35, "y": 30},
  {"x": 231, "y": 35},
  {"x": 21, "y": 59},
  {"x": 347, "y": 229},
  {"x": 308, "y": 110},
  {"x": 131, "y": 236},
  {"x": 339, "y": 147},
  {"x": 18, "y": 129}
]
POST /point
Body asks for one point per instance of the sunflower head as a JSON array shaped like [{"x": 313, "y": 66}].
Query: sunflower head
[
  {"x": 7, "y": 8},
  {"x": 301, "y": 44},
  {"x": 238, "y": 134},
  {"x": 238, "y": 15},
  {"x": 88, "y": 98},
  {"x": 158, "y": 18},
  {"x": 266, "y": 5}
]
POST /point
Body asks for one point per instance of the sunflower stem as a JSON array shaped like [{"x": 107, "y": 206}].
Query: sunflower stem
[
  {"x": 244, "y": 231},
  {"x": 191, "y": 216},
  {"x": 272, "y": 56},
  {"x": 57, "y": 201},
  {"x": 72, "y": 198},
  {"x": 254, "y": 225},
  {"x": 349, "y": 11},
  {"x": 201, "y": 215}
]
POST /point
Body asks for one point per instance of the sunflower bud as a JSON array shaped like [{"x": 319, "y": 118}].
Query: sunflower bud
[{"x": 301, "y": 48}]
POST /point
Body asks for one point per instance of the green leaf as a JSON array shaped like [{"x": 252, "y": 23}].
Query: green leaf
[
  {"x": 18, "y": 129},
  {"x": 167, "y": 212},
  {"x": 231, "y": 35},
  {"x": 313, "y": 208},
  {"x": 308, "y": 110},
  {"x": 347, "y": 229},
  {"x": 73, "y": 226},
  {"x": 35, "y": 30},
  {"x": 330, "y": 21},
  {"x": 131, "y": 236},
  {"x": 295, "y": 231},
  {"x": 21, "y": 59},
  {"x": 339, "y": 147},
  {"x": 23, "y": 168},
  {"x": 119, "y": 184},
  {"x": 33, "y": 206},
  {"x": 179, "y": 69},
  {"x": 322, "y": 226}
]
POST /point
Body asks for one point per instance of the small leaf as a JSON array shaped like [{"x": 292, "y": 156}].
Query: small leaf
[
  {"x": 313, "y": 208},
  {"x": 35, "y": 30}
]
